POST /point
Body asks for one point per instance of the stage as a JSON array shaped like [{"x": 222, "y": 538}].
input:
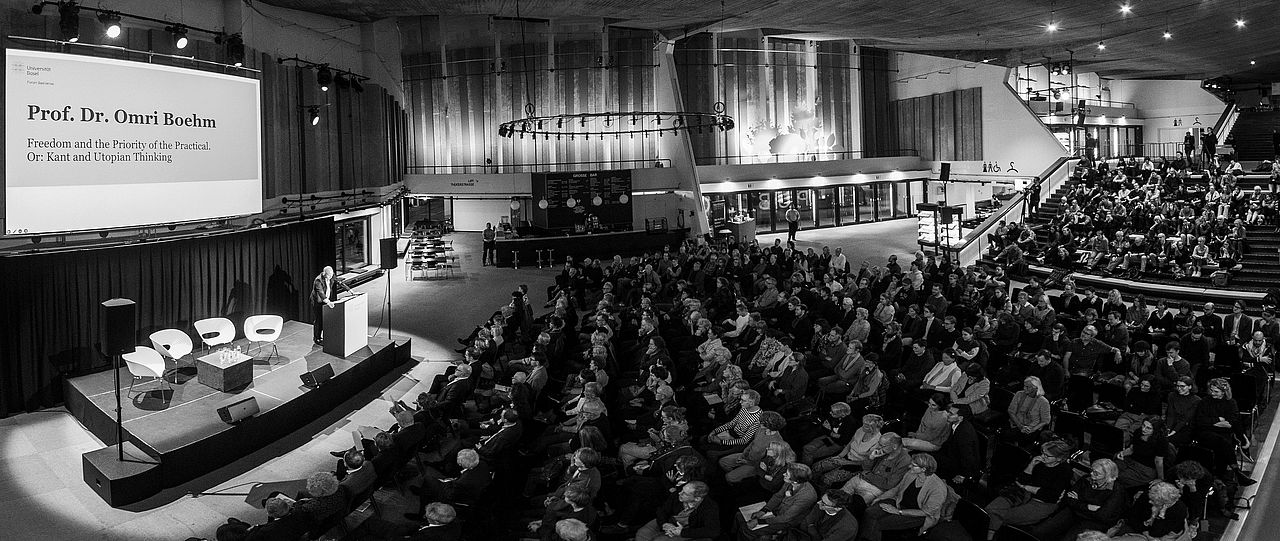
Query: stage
[{"x": 180, "y": 428}]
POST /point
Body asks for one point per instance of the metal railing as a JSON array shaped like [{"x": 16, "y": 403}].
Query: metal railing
[
  {"x": 971, "y": 247},
  {"x": 593, "y": 165},
  {"x": 747, "y": 159},
  {"x": 1222, "y": 128}
]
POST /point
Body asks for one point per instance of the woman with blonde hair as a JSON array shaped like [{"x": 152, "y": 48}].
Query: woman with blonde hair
[
  {"x": 1028, "y": 411},
  {"x": 918, "y": 502},
  {"x": 833, "y": 471},
  {"x": 1159, "y": 513}
]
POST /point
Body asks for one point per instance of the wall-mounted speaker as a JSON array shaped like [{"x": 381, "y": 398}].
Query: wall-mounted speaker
[
  {"x": 119, "y": 326},
  {"x": 389, "y": 253},
  {"x": 945, "y": 175}
]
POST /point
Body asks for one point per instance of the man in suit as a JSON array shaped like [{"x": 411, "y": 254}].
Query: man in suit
[
  {"x": 701, "y": 516},
  {"x": 355, "y": 473},
  {"x": 464, "y": 489},
  {"x": 1238, "y": 324},
  {"x": 441, "y": 525},
  {"x": 959, "y": 458},
  {"x": 321, "y": 290},
  {"x": 282, "y": 522},
  {"x": 454, "y": 393},
  {"x": 828, "y": 520},
  {"x": 497, "y": 445}
]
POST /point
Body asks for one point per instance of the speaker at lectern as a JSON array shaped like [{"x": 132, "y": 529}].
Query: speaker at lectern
[{"x": 346, "y": 325}]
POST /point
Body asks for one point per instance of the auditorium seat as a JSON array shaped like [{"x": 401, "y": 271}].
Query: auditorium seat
[
  {"x": 262, "y": 330},
  {"x": 172, "y": 343},
  {"x": 145, "y": 362},
  {"x": 216, "y": 331}
]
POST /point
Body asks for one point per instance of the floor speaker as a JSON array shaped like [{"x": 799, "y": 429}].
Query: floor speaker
[
  {"x": 119, "y": 329},
  {"x": 389, "y": 253},
  {"x": 118, "y": 482},
  {"x": 240, "y": 409},
  {"x": 320, "y": 375}
]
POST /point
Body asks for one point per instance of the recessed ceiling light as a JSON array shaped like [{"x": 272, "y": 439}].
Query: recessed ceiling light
[
  {"x": 1126, "y": 9},
  {"x": 1239, "y": 23},
  {"x": 1051, "y": 27},
  {"x": 1168, "y": 34},
  {"x": 1102, "y": 46},
  {"x": 1253, "y": 62}
]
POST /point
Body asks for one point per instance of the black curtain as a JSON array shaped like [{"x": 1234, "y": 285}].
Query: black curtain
[{"x": 49, "y": 303}]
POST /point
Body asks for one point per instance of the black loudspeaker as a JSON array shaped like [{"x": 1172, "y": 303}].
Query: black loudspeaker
[
  {"x": 1080, "y": 110},
  {"x": 122, "y": 483},
  {"x": 119, "y": 320},
  {"x": 389, "y": 255},
  {"x": 320, "y": 375},
  {"x": 240, "y": 409},
  {"x": 945, "y": 174}
]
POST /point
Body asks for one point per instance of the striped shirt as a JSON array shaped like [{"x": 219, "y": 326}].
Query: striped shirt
[{"x": 743, "y": 427}]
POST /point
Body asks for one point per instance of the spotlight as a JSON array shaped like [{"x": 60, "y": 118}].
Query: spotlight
[
  {"x": 315, "y": 114},
  {"x": 179, "y": 35},
  {"x": 323, "y": 78},
  {"x": 1239, "y": 23},
  {"x": 69, "y": 21},
  {"x": 1126, "y": 9},
  {"x": 1102, "y": 46},
  {"x": 111, "y": 21},
  {"x": 37, "y": 8},
  {"x": 1168, "y": 34},
  {"x": 341, "y": 81},
  {"x": 1253, "y": 62},
  {"x": 1051, "y": 27},
  {"x": 355, "y": 84},
  {"x": 235, "y": 49}
]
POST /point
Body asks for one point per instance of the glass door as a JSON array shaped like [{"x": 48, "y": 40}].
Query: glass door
[
  {"x": 848, "y": 213},
  {"x": 805, "y": 204},
  {"x": 350, "y": 244},
  {"x": 763, "y": 203},
  {"x": 884, "y": 200},
  {"x": 866, "y": 203},
  {"x": 825, "y": 206},
  {"x": 902, "y": 199}
]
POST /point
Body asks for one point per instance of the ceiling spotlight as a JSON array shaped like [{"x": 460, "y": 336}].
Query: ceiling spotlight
[
  {"x": 69, "y": 21},
  {"x": 341, "y": 81},
  {"x": 179, "y": 35},
  {"x": 1239, "y": 23},
  {"x": 1168, "y": 34},
  {"x": 111, "y": 21},
  {"x": 355, "y": 84},
  {"x": 323, "y": 78},
  {"x": 1126, "y": 9},
  {"x": 1102, "y": 46},
  {"x": 315, "y": 114},
  {"x": 1051, "y": 27},
  {"x": 1253, "y": 62}
]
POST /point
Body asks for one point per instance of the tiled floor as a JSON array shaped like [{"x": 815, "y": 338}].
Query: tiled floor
[{"x": 43, "y": 495}]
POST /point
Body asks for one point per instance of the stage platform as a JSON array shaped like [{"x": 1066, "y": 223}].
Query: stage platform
[{"x": 181, "y": 429}]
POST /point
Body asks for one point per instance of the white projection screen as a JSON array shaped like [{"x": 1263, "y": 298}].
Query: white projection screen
[{"x": 97, "y": 143}]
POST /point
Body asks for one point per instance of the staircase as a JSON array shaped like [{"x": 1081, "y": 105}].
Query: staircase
[{"x": 1252, "y": 135}]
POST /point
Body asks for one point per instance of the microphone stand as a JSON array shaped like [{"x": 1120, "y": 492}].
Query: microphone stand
[{"x": 115, "y": 363}]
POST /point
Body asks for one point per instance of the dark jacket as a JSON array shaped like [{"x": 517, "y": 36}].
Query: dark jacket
[
  {"x": 497, "y": 444},
  {"x": 446, "y": 532},
  {"x": 819, "y": 526},
  {"x": 960, "y": 455},
  {"x": 704, "y": 521},
  {"x": 290, "y": 526}
]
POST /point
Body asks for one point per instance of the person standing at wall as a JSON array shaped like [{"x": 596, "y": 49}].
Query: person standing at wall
[
  {"x": 1189, "y": 145},
  {"x": 1209, "y": 145},
  {"x": 793, "y": 222},
  {"x": 489, "y": 255}
]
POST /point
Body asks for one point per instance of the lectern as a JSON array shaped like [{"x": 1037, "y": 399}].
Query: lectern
[{"x": 346, "y": 325}]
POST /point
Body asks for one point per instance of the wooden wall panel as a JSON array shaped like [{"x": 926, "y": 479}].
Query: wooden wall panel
[{"x": 945, "y": 126}]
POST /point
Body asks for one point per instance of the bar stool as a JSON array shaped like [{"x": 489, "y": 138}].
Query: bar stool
[
  {"x": 515, "y": 259},
  {"x": 540, "y": 252}
]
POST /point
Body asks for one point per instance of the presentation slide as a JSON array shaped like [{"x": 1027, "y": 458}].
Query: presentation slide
[{"x": 97, "y": 143}]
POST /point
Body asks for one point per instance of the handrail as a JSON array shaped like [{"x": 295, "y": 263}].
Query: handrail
[
  {"x": 792, "y": 157},
  {"x": 539, "y": 166},
  {"x": 1017, "y": 202},
  {"x": 1226, "y": 121}
]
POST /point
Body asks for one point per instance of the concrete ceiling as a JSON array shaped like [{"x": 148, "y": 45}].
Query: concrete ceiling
[{"x": 1205, "y": 43}]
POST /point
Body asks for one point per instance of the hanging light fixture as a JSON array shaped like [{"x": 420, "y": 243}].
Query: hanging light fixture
[
  {"x": 110, "y": 23},
  {"x": 324, "y": 77},
  {"x": 69, "y": 21},
  {"x": 179, "y": 33}
]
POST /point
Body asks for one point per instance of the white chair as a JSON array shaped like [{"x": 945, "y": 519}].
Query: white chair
[
  {"x": 263, "y": 330},
  {"x": 172, "y": 343},
  {"x": 143, "y": 363},
  {"x": 216, "y": 331}
]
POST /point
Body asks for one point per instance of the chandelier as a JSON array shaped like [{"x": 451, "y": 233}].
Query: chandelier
[{"x": 617, "y": 124}]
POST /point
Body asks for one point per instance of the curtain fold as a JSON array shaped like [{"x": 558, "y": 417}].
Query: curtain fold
[{"x": 50, "y": 320}]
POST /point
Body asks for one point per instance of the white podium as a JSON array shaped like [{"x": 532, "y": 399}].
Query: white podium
[{"x": 346, "y": 325}]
